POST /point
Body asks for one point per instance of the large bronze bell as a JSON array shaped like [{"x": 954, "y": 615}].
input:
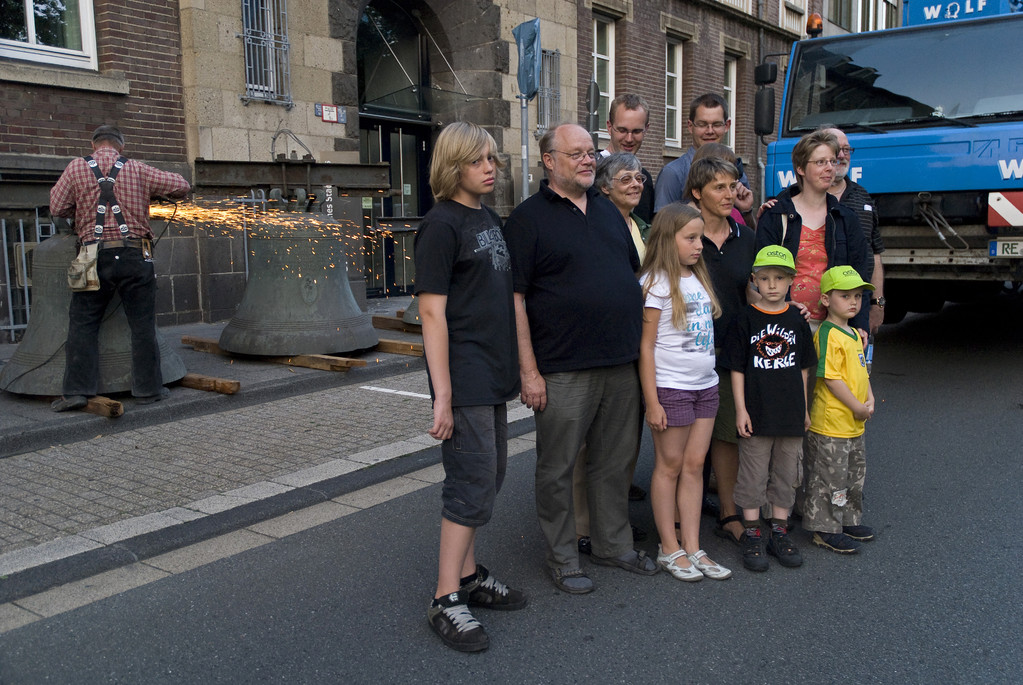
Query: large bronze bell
[
  {"x": 297, "y": 299},
  {"x": 37, "y": 366}
]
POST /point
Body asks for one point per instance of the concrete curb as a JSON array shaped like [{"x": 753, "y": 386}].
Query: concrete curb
[{"x": 34, "y": 570}]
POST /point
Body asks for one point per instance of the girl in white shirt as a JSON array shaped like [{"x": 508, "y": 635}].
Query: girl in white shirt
[{"x": 680, "y": 386}]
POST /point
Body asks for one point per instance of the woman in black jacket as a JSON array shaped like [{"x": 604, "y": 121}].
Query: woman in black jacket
[{"x": 815, "y": 228}]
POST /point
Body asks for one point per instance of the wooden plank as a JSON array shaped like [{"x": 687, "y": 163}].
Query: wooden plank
[
  {"x": 323, "y": 362},
  {"x": 104, "y": 406},
  {"x": 394, "y": 323},
  {"x": 203, "y": 344},
  {"x": 210, "y": 384},
  {"x": 400, "y": 347}
]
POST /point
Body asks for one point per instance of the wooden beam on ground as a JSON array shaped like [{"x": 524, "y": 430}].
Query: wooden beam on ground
[
  {"x": 324, "y": 362},
  {"x": 203, "y": 344},
  {"x": 394, "y": 323},
  {"x": 104, "y": 406},
  {"x": 210, "y": 384},
  {"x": 400, "y": 347}
]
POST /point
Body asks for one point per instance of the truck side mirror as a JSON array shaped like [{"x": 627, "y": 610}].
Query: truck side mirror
[
  {"x": 765, "y": 74},
  {"x": 763, "y": 113}
]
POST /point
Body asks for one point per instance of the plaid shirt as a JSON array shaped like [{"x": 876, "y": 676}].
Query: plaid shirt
[{"x": 76, "y": 194}]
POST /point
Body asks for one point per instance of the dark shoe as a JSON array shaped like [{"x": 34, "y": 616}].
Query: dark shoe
[
  {"x": 753, "y": 557},
  {"x": 149, "y": 399},
  {"x": 488, "y": 592},
  {"x": 861, "y": 533},
  {"x": 638, "y": 534},
  {"x": 585, "y": 544},
  {"x": 635, "y": 561},
  {"x": 636, "y": 493},
  {"x": 780, "y": 546},
  {"x": 451, "y": 619},
  {"x": 573, "y": 581},
  {"x": 724, "y": 533},
  {"x": 836, "y": 542},
  {"x": 710, "y": 507},
  {"x": 70, "y": 402}
]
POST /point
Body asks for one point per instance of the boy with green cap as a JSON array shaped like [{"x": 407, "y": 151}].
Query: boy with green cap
[
  {"x": 770, "y": 353},
  {"x": 842, "y": 402}
]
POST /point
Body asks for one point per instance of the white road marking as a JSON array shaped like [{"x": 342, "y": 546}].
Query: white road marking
[{"x": 395, "y": 392}]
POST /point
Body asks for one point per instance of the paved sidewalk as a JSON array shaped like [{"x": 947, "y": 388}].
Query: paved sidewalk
[{"x": 199, "y": 464}]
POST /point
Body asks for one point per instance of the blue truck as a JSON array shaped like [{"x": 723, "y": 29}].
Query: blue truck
[{"x": 934, "y": 112}]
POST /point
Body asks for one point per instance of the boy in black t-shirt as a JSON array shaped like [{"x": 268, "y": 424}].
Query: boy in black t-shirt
[
  {"x": 464, "y": 285},
  {"x": 770, "y": 355}
]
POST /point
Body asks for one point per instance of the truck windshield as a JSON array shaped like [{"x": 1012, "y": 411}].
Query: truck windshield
[{"x": 914, "y": 78}]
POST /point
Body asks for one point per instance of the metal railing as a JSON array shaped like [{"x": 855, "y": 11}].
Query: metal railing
[{"x": 17, "y": 239}]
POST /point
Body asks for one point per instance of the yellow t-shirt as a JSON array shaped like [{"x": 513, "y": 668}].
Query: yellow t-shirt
[{"x": 839, "y": 355}]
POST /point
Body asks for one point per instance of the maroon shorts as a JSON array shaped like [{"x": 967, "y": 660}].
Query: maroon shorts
[{"x": 683, "y": 407}]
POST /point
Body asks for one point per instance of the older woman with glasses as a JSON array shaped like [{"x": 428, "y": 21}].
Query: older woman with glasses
[
  {"x": 620, "y": 177},
  {"x": 816, "y": 229}
]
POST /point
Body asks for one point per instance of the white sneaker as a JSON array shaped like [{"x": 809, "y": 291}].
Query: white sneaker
[
  {"x": 667, "y": 562},
  {"x": 712, "y": 571}
]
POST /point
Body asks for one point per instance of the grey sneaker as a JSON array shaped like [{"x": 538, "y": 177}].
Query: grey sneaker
[
  {"x": 573, "y": 581},
  {"x": 451, "y": 619},
  {"x": 488, "y": 592},
  {"x": 70, "y": 402}
]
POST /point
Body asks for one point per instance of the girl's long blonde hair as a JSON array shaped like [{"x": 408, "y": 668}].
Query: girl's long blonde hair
[{"x": 662, "y": 260}]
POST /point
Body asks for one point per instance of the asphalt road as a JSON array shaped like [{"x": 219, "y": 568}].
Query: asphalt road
[{"x": 934, "y": 599}]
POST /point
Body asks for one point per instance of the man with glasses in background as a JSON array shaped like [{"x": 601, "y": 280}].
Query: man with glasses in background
[
  {"x": 578, "y": 319},
  {"x": 855, "y": 197},
  {"x": 628, "y": 118},
  {"x": 708, "y": 123}
]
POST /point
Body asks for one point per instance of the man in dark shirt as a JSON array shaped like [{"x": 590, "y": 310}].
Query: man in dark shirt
[
  {"x": 855, "y": 197},
  {"x": 578, "y": 311}
]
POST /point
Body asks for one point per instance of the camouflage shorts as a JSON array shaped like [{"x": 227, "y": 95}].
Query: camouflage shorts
[{"x": 835, "y": 471}]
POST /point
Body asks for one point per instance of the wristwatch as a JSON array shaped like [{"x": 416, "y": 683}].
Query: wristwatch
[{"x": 879, "y": 301}]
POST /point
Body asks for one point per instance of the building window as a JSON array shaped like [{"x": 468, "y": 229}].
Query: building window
[
  {"x": 673, "y": 117},
  {"x": 59, "y": 33},
  {"x": 840, "y": 13},
  {"x": 729, "y": 95},
  {"x": 791, "y": 16},
  {"x": 548, "y": 103},
  {"x": 603, "y": 67},
  {"x": 741, "y": 5},
  {"x": 267, "y": 69}
]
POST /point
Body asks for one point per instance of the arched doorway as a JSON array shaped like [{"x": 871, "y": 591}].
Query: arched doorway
[{"x": 395, "y": 128}]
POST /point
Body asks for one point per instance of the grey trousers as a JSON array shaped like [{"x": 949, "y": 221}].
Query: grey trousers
[{"x": 598, "y": 407}]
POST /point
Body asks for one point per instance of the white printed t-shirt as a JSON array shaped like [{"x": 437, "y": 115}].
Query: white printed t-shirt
[{"x": 683, "y": 359}]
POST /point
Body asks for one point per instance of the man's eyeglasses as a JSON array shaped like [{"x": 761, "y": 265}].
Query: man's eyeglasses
[
  {"x": 821, "y": 163},
  {"x": 577, "y": 156},
  {"x": 626, "y": 179},
  {"x": 846, "y": 150},
  {"x": 622, "y": 131},
  {"x": 704, "y": 125}
]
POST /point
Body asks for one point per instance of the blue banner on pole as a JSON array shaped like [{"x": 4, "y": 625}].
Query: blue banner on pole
[{"x": 527, "y": 38}]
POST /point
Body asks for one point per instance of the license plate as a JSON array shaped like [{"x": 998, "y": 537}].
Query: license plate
[{"x": 1006, "y": 248}]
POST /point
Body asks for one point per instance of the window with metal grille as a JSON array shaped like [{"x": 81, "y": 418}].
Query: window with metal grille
[
  {"x": 548, "y": 103},
  {"x": 267, "y": 69}
]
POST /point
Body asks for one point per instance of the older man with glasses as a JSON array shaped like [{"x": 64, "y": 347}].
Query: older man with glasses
[
  {"x": 578, "y": 315},
  {"x": 855, "y": 197},
  {"x": 708, "y": 123}
]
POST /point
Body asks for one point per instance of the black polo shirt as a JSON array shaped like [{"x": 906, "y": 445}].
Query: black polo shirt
[
  {"x": 577, "y": 272},
  {"x": 730, "y": 269}
]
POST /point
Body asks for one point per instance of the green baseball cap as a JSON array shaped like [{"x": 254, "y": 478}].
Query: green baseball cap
[
  {"x": 777, "y": 256},
  {"x": 842, "y": 278}
]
